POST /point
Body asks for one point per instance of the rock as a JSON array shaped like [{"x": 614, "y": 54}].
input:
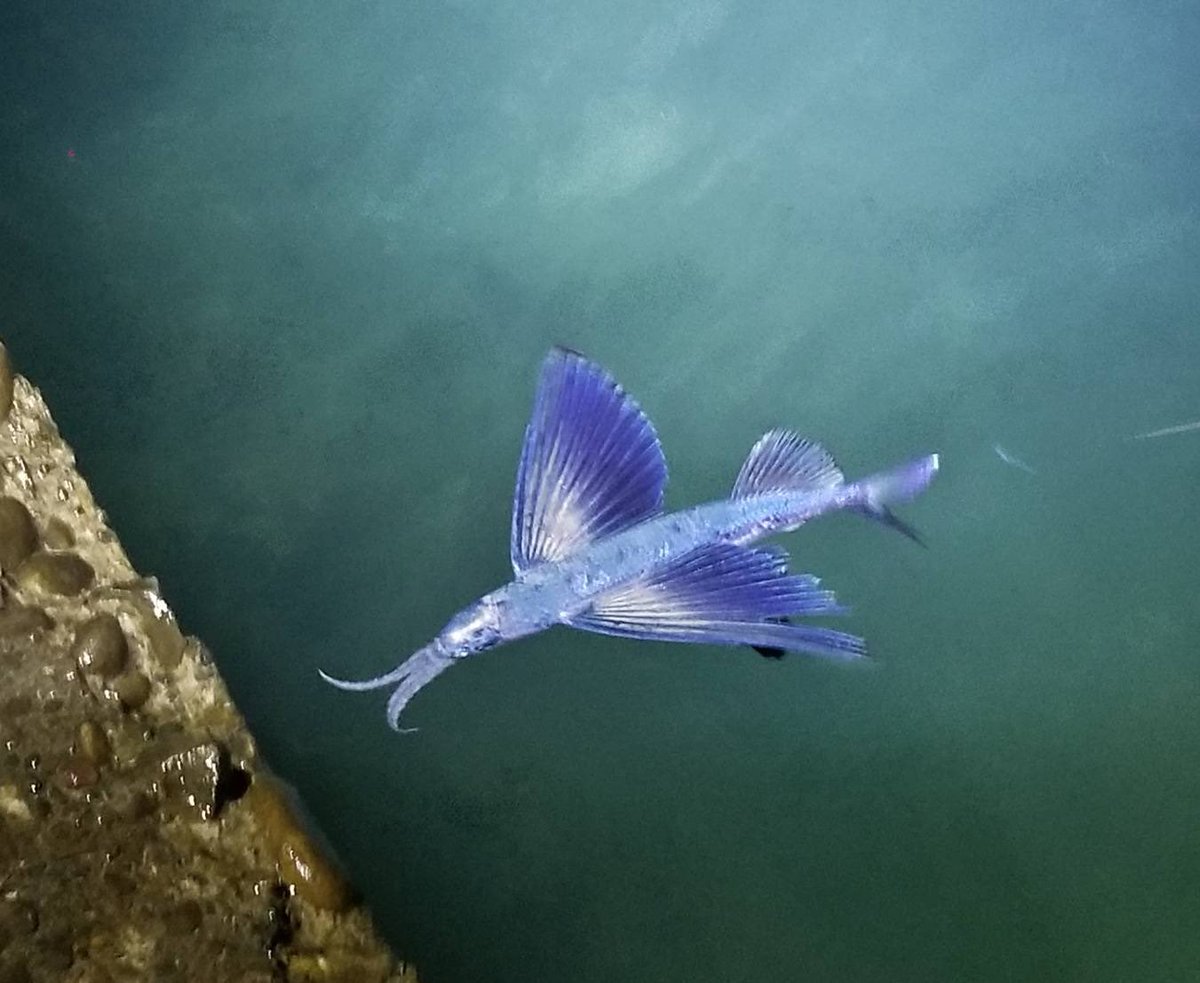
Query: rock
[
  {"x": 132, "y": 689},
  {"x": 202, "y": 779},
  {"x": 18, "y": 536},
  {"x": 15, "y": 971},
  {"x": 302, "y": 864},
  {"x": 92, "y": 743},
  {"x": 6, "y": 383},
  {"x": 125, "y": 852},
  {"x": 57, "y": 535},
  {"x": 63, "y": 574},
  {"x": 100, "y": 645},
  {"x": 18, "y": 621},
  {"x": 79, "y": 772}
]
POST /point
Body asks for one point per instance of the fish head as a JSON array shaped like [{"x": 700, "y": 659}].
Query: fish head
[{"x": 473, "y": 629}]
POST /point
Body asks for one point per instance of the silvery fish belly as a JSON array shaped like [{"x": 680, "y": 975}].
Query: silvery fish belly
[{"x": 593, "y": 549}]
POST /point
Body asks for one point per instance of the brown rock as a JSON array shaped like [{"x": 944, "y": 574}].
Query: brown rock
[
  {"x": 18, "y": 621},
  {"x": 6, "y": 383},
  {"x": 302, "y": 864},
  {"x": 18, "y": 536},
  {"x": 58, "y": 535},
  {"x": 120, "y": 858},
  {"x": 93, "y": 744},
  {"x": 63, "y": 574},
  {"x": 201, "y": 779},
  {"x": 100, "y": 645},
  {"x": 131, "y": 688}
]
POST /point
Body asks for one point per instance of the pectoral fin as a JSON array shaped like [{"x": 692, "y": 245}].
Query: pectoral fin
[
  {"x": 724, "y": 595},
  {"x": 591, "y": 464}
]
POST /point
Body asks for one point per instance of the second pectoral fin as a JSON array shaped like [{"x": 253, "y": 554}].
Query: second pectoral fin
[{"x": 723, "y": 594}]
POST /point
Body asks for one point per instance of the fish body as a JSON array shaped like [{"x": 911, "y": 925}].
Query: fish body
[
  {"x": 592, "y": 548},
  {"x": 1012, "y": 460},
  {"x": 1168, "y": 431},
  {"x": 554, "y": 592}
]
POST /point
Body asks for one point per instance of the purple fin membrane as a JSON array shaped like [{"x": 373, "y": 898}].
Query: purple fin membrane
[
  {"x": 724, "y": 595},
  {"x": 591, "y": 463},
  {"x": 782, "y": 460}
]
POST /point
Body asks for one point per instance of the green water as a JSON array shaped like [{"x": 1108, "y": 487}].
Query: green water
[{"x": 288, "y": 299}]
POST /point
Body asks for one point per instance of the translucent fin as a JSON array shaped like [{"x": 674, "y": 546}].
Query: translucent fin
[
  {"x": 882, "y": 514},
  {"x": 591, "y": 464},
  {"x": 899, "y": 484},
  {"x": 782, "y": 460},
  {"x": 720, "y": 581},
  {"x": 902, "y": 483},
  {"x": 838, "y": 646},
  {"x": 413, "y": 673},
  {"x": 723, "y": 595}
]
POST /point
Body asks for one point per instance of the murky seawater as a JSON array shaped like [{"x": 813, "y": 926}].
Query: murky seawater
[{"x": 288, "y": 294}]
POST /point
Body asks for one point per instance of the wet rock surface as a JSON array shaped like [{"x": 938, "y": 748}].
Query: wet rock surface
[{"x": 141, "y": 836}]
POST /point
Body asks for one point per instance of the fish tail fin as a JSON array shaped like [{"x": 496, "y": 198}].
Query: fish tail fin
[
  {"x": 899, "y": 484},
  {"x": 885, "y": 516}
]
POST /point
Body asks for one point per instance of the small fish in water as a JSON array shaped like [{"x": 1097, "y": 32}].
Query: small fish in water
[
  {"x": 1167, "y": 431},
  {"x": 592, "y": 547},
  {"x": 1012, "y": 459}
]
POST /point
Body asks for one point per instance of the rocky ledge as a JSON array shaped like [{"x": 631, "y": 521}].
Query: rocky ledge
[{"x": 141, "y": 835}]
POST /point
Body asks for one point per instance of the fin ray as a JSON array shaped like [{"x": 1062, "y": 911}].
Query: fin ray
[
  {"x": 724, "y": 594},
  {"x": 720, "y": 581},
  {"x": 826, "y": 643},
  {"x": 591, "y": 463},
  {"x": 782, "y": 460}
]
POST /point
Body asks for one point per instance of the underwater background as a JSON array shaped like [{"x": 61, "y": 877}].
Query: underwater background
[{"x": 286, "y": 272}]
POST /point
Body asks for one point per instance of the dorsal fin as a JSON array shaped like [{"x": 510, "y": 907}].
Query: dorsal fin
[
  {"x": 591, "y": 464},
  {"x": 782, "y": 460}
]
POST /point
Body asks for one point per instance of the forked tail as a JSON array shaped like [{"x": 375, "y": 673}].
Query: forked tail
[
  {"x": 900, "y": 484},
  {"x": 782, "y": 460}
]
